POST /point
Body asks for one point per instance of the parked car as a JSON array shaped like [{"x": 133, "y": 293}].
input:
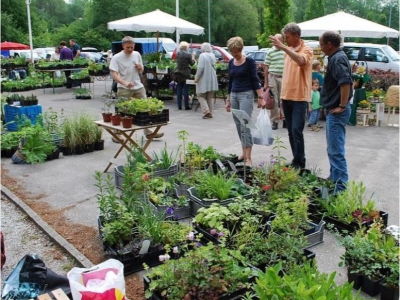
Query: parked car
[
  {"x": 220, "y": 53},
  {"x": 258, "y": 56},
  {"x": 94, "y": 56},
  {"x": 376, "y": 56},
  {"x": 45, "y": 52},
  {"x": 26, "y": 53}
]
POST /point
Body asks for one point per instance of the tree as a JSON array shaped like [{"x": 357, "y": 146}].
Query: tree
[
  {"x": 315, "y": 9},
  {"x": 276, "y": 16}
]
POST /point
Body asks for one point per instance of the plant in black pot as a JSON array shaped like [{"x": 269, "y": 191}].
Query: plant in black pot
[
  {"x": 82, "y": 93},
  {"x": 98, "y": 141},
  {"x": 35, "y": 144},
  {"x": 390, "y": 285}
]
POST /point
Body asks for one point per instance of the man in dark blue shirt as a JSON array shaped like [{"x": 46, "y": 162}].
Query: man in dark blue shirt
[
  {"x": 335, "y": 96},
  {"x": 76, "y": 49}
]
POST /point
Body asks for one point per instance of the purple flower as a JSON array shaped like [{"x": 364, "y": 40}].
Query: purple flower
[
  {"x": 198, "y": 245},
  {"x": 170, "y": 210},
  {"x": 221, "y": 234},
  {"x": 213, "y": 231}
]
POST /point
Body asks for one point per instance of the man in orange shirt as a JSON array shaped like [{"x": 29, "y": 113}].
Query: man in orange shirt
[{"x": 296, "y": 87}]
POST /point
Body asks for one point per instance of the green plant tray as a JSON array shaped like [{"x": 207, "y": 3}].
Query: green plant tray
[
  {"x": 197, "y": 203},
  {"x": 171, "y": 171},
  {"x": 231, "y": 296},
  {"x": 314, "y": 236}
]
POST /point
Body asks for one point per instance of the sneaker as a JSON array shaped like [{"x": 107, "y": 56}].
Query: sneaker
[
  {"x": 275, "y": 125},
  {"x": 114, "y": 139},
  {"x": 320, "y": 126},
  {"x": 155, "y": 135},
  {"x": 308, "y": 125},
  {"x": 284, "y": 124},
  {"x": 314, "y": 128},
  {"x": 188, "y": 108}
]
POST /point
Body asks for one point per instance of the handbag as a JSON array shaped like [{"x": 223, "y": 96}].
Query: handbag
[
  {"x": 263, "y": 135},
  {"x": 269, "y": 99}
]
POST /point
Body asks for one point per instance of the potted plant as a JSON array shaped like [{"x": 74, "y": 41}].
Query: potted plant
[
  {"x": 390, "y": 284},
  {"x": 70, "y": 137},
  {"x": 206, "y": 272},
  {"x": 116, "y": 119},
  {"x": 98, "y": 141},
  {"x": 82, "y": 93},
  {"x": 364, "y": 107},
  {"x": 9, "y": 143},
  {"x": 300, "y": 282},
  {"x": 165, "y": 163}
]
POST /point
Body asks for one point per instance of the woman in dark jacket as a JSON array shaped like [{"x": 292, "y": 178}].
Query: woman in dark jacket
[{"x": 184, "y": 60}]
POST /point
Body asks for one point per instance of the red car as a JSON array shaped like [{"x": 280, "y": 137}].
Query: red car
[{"x": 220, "y": 53}]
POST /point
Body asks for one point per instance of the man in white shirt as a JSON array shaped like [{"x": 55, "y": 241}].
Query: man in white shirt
[{"x": 126, "y": 67}]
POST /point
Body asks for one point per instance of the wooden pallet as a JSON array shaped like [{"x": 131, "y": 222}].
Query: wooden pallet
[{"x": 58, "y": 294}]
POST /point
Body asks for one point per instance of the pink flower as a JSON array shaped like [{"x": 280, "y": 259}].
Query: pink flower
[
  {"x": 190, "y": 236},
  {"x": 221, "y": 234},
  {"x": 213, "y": 231},
  {"x": 175, "y": 249}
]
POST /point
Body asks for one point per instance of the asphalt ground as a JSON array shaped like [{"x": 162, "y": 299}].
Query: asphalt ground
[{"x": 372, "y": 156}]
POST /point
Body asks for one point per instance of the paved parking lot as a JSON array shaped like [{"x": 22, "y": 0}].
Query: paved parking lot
[{"x": 372, "y": 153}]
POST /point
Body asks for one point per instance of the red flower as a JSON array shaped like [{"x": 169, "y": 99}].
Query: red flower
[
  {"x": 284, "y": 169},
  {"x": 145, "y": 177},
  {"x": 266, "y": 187}
]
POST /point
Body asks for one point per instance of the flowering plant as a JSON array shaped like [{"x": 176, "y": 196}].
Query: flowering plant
[
  {"x": 205, "y": 272},
  {"x": 376, "y": 92},
  {"x": 364, "y": 104}
]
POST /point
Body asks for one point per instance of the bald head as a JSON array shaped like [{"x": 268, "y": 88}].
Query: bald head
[{"x": 279, "y": 36}]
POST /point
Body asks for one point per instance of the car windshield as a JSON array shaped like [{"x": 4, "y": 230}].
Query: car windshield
[
  {"x": 169, "y": 47},
  {"x": 391, "y": 53}
]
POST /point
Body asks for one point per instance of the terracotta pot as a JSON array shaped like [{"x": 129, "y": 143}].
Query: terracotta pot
[
  {"x": 127, "y": 122},
  {"x": 107, "y": 117},
  {"x": 116, "y": 120}
]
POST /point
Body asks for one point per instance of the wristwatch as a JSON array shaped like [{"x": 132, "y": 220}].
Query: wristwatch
[{"x": 342, "y": 106}]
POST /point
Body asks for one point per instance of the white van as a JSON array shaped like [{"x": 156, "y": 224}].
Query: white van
[
  {"x": 45, "y": 52},
  {"x": 376, "y": 56},
  {"x": 26, "y": 53}
]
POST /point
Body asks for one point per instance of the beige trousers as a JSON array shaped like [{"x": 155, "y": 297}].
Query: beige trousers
[
  {"x": 206, "y": 102},
  {"x": 275, "y": 84}
]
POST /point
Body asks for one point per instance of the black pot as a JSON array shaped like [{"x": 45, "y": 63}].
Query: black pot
[
  {"x": 388, "y": 293},
  {"x": 99, "y": 145},
  {"x": 66, "y": 151},
  {"x": 89, "y": 148},
  {"x": 80, "y": 149},
  {"x": 357, "y": 279},
  {"x": 371, "y": 287}
]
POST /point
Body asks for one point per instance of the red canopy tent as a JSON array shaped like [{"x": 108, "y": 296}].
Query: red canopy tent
[{"x": 13, "y": 46}]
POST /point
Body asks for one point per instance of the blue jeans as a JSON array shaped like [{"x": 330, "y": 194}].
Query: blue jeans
[
  {"x": 314, "y": 117},
  {"x": 295, "y": 116},
  {"x": 182, "y": 88},
  {"x": 335, "y": 140},
  {"x": 243, "y": 101}
]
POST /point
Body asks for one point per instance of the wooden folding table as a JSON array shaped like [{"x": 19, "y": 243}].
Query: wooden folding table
[{"x": 124, "y": 136}]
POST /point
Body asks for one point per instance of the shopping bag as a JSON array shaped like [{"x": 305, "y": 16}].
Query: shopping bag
[
  {"x": 104, "y": 281},
  {"x": 269, "y": 98},
  {"x": 263, "y": 135},
  {"x": 31, "y": 278}
]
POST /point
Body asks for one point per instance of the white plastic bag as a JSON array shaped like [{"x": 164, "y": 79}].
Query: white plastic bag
[
  {"x": 104, "y": 281},
  {"x": 263, "y": 135}
]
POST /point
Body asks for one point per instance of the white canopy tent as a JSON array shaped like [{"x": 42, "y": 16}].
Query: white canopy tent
[
  {"x": 156, "y": 21},
  {"x": 347, "y": 25}
]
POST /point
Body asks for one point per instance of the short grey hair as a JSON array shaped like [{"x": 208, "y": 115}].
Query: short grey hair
[
  {"x": 332, "y": 37},
  {"x": 292, "y": 28},
  {"x": 205, "y": 47},
  {"x": 183, "y": 46},
  {"x": 128, "y": 39}
]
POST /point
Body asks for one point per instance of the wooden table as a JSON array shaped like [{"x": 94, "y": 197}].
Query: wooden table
[{"x": 124, "y": 136}]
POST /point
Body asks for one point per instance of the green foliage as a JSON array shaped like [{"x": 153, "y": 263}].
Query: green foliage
[
  {"x": 215, "y": 186},
  {"x": 165, "y": 159},
  {"x": 276, "y": 16},
  {"x": 208, "y": 270},
  {"x": 303, "y": 282},
  {"x": 36, "y": 144},
  {"x": 10, "y": 140},
  {"x": 315, "y": 9},
  {"x": 214, "y": 217}
]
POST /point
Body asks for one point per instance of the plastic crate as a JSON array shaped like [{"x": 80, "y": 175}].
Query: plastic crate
[
  {"x": 119, "y": 177},
  {"x": 12, "y": 113}
]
